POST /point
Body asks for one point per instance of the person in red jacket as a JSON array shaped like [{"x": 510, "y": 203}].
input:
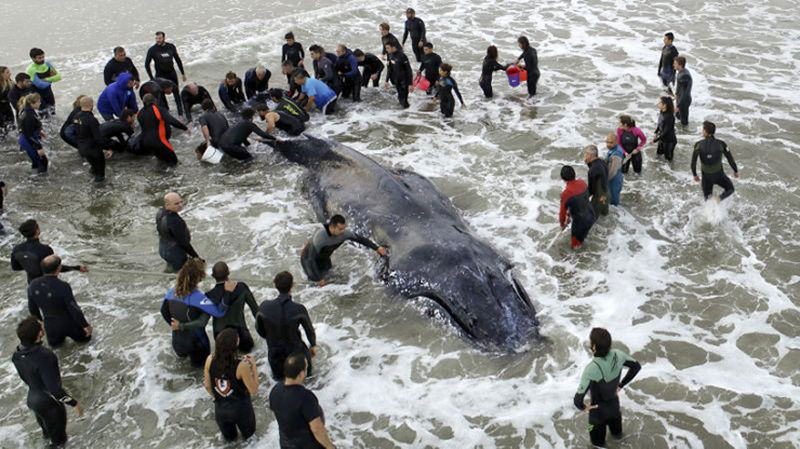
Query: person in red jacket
[{"x": 575, "y": 205}]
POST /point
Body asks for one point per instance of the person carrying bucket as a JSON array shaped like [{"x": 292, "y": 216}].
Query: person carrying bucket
[
  {"x": 430, "y": 63},
  {"x": 530, "y": 61}
]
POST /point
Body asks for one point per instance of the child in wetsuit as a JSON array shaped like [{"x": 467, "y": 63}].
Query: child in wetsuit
[{"x": 446, "y": 87}]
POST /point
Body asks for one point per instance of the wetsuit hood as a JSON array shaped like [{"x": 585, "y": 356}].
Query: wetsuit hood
[{"x": 122, "y": 80}]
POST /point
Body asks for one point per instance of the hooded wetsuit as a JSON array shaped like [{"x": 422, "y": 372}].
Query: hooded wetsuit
[
  {"x": 116, "y": 97},
  {"x": 316, "y": 256},
  {"x": 192, "y": 312},
  {"x": 156, "y": 124},
  {"x": 575, "y": 201},
  {"x": 710, "y": 152},
  {"x": 598, "y": 186},
  {"x": 38, "y": 368},
  {"x": 174, "y": 239},
  {"x": 29, "y": 255},
  {"x": 278, "y": 321},
  {"x": 602, "y": 378},
  {"x": 234, "y": 317},
  {"x": 50, "y": 299}
]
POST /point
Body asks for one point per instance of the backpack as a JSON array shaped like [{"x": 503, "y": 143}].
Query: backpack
[{"x": 628, "y": 141}]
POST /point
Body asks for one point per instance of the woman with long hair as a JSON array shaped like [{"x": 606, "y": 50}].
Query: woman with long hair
[
  {"x": 30, "y": 131},
  {"x": 490, "y": 65},
  {"x": 6, "y": 112},
  {"x": 231, "y": 381},
  {"x": 187, "y": 310},
  {"x": 632, "y": 140},
  {"x": 531, "y": 63},
  {"x": 665, "y": 130}
]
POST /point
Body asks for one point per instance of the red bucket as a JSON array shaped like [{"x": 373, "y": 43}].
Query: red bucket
[
  {"x": 421, "y": 83},
  {"x": 516, "y": 76}
]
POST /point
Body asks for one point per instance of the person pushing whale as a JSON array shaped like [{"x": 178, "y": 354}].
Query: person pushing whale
[{"x": 316, "y": 255}]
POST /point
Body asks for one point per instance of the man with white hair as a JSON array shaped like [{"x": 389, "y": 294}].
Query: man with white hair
[
  {"x": 174, "y": 239},
  {"x": 256, "y": 83}
]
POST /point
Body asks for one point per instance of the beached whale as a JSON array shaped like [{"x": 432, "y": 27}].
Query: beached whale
[{"x": 432, "y": 252}]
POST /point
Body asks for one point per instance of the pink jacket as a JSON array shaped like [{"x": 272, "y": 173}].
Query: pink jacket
[{"x": 636, "y": 132}]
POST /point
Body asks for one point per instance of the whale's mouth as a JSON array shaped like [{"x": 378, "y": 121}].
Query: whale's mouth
[{"x": 467, "y": 329}]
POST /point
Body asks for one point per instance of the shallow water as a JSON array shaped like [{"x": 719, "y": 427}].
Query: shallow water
[{"x": 704, "y": 296}]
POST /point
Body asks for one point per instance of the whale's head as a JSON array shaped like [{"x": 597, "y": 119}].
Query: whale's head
[{"x": 473, "y": 286}]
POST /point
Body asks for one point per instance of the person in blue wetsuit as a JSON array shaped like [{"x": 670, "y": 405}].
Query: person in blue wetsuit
[
  {"x": 256, "y": 82},
  {"x": 347, "y": 68},
  {"x": 187, "y": 310},
  {"x": 30, "y": 132},
  {"x": 601, "y": 377},
  {"x": 614, "y": 160},
  {"x": 318, "y": 93}
]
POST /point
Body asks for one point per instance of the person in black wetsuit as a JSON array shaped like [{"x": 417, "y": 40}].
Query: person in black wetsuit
[
  {"x": 601, "y": 377},
  {"x": 51, "y": 299},
  {"x": 665, "y": 130},
  {"x": 30, "y": 132},
  {"x": 231, "y": 381},
  {"x": 278, "y": 322},
  {"x": 388, "y": 38},
  {"x": 21, "y": 88},
  {"x": 192, "y": 95},
  {"x": 399, "y": 73},
  {"x": 7, "y": 116},
  {"x": 292, "y": 51},
  {"x": 174, "y": 238},
  {"x": 315, "y": 257},
  {"x": 284, "y": 121},
  {"x": 156, "y": 124},
  {"x": 234, "y": 140},
  {"x": 118, "y": 132},
  {"x": 160, "y": 88},
  {"x": 346, "y": 66},
  {"x": 373, "y": 67},
  {"x": 234, "y": 317},
  {"x": 447, "y": 85},
  {"x": 301, "y": 421},
  {"x": 430, "y": 64},
  {"x": 416, "y": 28},
  {"x": 683, "y": 90},
  {"x": 213, "y": 123},
  {"x": 287, "y": 105},
  {"x": 530, "y": 60},
  {"x": 295, "y": 93},
  {"x": 710, "y": 152},
  {"x": 91, "y": 144},
  {"x": 666, "y": 70},
  {"x": 597, "y": 180},
  {"x": 165, "y": 56},
  {"x": 256, "y": 82},
  {"x": 231, "y": 93},
  {"x": 118, "y": 64},
  {"x": 29, "y": 255},
  {"x": 324, "y": 67},
  {"x": 68, "y": 132},
  {"x": 489, "y": 66},
  {"x": 187, "y": 311},
  {"x": 37, "y": 366}
]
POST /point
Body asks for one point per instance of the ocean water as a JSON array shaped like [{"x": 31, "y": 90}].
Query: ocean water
[{"x": 705, "y": 296}]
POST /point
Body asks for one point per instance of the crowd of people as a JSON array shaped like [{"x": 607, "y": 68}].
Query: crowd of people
[{"x": 232, "y": 379}]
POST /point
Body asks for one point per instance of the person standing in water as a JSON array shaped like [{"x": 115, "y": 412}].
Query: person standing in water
[
  {"x": 666, "y": 70},
  {"x": 37, "y": 366},
  {"x": 30, "y": 132},
  {"x": 187, "y": 310},
  {"x": 388, "y": 38},
  {"x": 575, "y": 205},
  {"x": 316, "y": 255},
  {"x": 373, "y": 67},
  {"x": 632, "y": 140},
  {"x": 489, "y": 66},
  {"x": 43, "y": 75},
  {"x": 230, "y": 92},
  {"x": 234, "y": 317},
  {"x": 710, "y": 152},
  {"x": 601, "y": 377},
  {"x": 399, "y": 73},
  {"x": 174, "y": 239},
  {"x": 156, "y": 123},
  {"x": 598, "y": 180},
  {"x": 665, "y": 130},
  {"x": 683, "y": 90},
  {"x": 29, "y": 255},
  {"x": 192, "y": 95},
  {"x": 431, "y": 62},
  {"x": 530, "y": 59},
  {"x": 165, "y": 56},
  {"x": 7, "y": 116},
  {"x": 293, "y": 52},
  {"x": 448, "y": 85},
  {"x": 416, "y": 28},
  {"x": 231, "y": 381},
  {"x": 91, "y": 144},
  {"x": 118, "y": 64},
  {"x": 614, "y": 160}
]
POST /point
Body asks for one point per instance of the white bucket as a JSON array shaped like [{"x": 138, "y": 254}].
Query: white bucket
[{"x": 212, "y": 155}]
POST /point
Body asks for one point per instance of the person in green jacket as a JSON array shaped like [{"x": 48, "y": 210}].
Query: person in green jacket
[
  {"x": 43, "y": 75},
  {"x": 602, "y": 377}
]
